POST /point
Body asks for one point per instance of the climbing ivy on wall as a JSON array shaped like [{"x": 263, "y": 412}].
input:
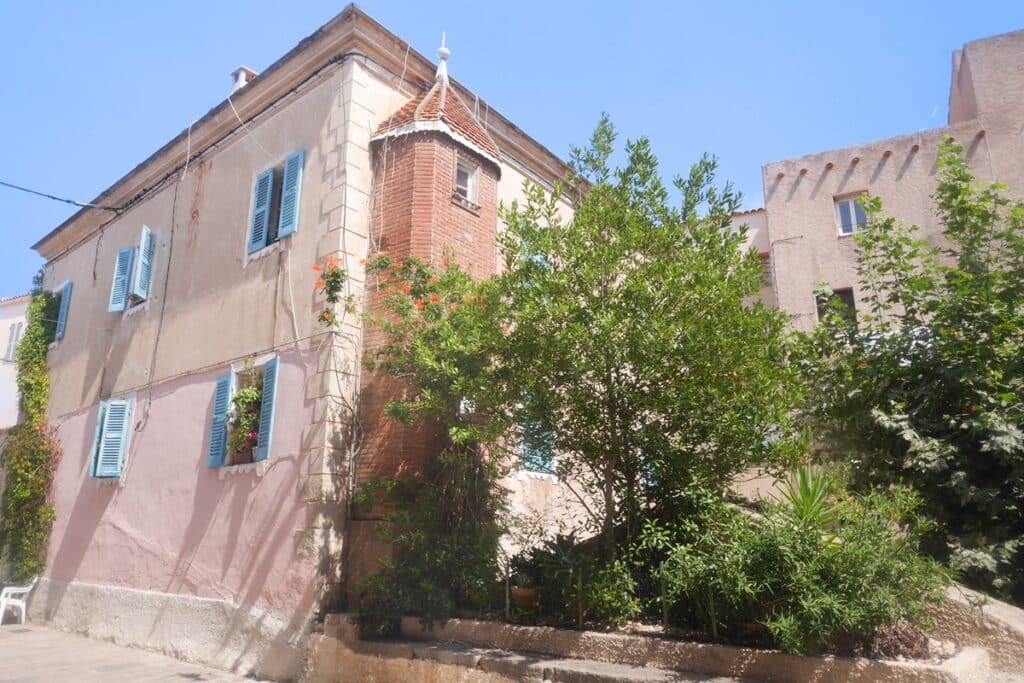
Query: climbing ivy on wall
[{"x": 31, "y": 452}]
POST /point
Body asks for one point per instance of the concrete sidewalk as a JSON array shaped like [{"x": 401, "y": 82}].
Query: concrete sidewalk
[{"x": 33, "y": 654}]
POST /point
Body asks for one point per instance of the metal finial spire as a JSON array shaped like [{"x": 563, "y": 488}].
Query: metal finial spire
[{"x": 443, "y": 54}]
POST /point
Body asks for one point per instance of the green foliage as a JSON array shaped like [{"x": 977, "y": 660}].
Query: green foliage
[
  {"x": 824, "y": 577},
  {"x": 245, "y": 420},
  {"x": 634, "y": 342},
  {"x": 332, "y": 283},
  {"x": 575, "y": 587},
  {"x": 443, "y": 525},
  {"x": 629, "y": 340},
  {"x": 444, "y": 522},
  {"x": 927, "y": 388},
  {"x": 609, "y": 595},
  {"x": 30, "y": 452},
  {"x": 807, "y": 498}
]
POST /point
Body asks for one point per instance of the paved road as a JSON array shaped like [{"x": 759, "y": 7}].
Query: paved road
[{"x": 33, "y": 654}]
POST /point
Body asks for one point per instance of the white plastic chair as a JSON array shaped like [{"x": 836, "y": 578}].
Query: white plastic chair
[{"x": 17, "y": 597}]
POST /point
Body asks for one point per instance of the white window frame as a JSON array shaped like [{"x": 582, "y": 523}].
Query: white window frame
[
  {"x": 852, "y": 201},
  {"x": 14, "y": 334},
  {"x": 471, "y": 191}
]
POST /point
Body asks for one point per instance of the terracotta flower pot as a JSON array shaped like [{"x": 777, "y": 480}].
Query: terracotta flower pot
[{"x": 525, "y": 598}]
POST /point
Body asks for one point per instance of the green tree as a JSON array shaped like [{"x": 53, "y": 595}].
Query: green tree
[
  {"x": 636, "y": 341},
  {"x": 926, "y": 387}
]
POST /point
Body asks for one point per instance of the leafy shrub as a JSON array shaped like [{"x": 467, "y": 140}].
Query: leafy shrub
[
  {"x": 610, "y": 595},
  {"x": 444, "y": 524},
  {"x": 819, "y": 577},
  {"x": 576, "y": 587}
]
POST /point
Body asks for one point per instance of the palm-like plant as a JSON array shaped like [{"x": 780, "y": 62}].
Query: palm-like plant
[{"x": 807, "y": 499}]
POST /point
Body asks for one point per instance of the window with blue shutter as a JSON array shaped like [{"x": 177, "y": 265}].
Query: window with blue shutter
[
  {"x": 291, "y": 187},
  {"x": 242, "y": 426},
  {"x": 277, "y": 196},
  {"x": 219, "y": 426},
  {"x": 62, "y": 311},
  {"x": 122, "y": 273},
  {"x": 263, "y": 195},
  {"x": 144, "y": 265},
  {"x": 537, "y": 448},
  {"x": 267, "y": 410},
  {"x": 113, "y": 430}
]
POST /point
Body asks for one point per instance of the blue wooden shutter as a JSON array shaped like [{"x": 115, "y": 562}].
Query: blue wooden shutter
[
  {"x": 291, "y": 186},
  {"x": 62, "y": 315},
  {"x": 114, "y": 438},
  {"x": 219, "y": 426},
  {"x": 100, "y": 416},
  {"x": 262, "y": 195},
  {"x": 267, "y": 409},
  {"x": 144, "y": 267},
  {"x": 122, "y": 272}
]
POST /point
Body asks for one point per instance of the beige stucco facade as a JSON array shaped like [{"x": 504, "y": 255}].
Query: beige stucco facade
[{"x": 802, "y": 228}]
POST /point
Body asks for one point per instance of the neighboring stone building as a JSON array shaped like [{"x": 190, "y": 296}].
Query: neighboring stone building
[
  {"x": 12, "y": 328},
  {"x": 166, "y": 536},
  {"x": 804, "y": 232}
]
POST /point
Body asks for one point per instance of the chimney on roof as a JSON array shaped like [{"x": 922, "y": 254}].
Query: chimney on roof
[{"x": 242, "y": 75}]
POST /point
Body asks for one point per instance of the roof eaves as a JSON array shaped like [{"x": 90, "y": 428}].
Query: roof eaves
[{"x": 438, "y": 127}]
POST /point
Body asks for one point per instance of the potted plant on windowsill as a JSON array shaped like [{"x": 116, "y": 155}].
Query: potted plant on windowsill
[{"x": 245, "y": 424}]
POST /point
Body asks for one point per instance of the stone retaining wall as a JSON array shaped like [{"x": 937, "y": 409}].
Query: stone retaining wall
[{"x": 470, "y": 651}]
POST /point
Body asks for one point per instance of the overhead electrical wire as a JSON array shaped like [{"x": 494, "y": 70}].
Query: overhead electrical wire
[{"x": 84, "y": 205}]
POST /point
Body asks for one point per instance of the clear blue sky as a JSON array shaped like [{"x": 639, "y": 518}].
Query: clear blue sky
[{"x": 92, "y": 88}]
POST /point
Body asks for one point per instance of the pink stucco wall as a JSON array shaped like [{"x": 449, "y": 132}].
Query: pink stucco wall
[{"x": 173, "y": 526}]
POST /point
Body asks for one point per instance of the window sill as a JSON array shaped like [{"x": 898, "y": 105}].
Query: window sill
[
  {"x": 266, "y": 251},
  {"x": 109, "y": 481},
  {"x": 525, "y": 475},
  {"x": 260, "y": 468},
  {"x": 137, "y": 308},
  {"x": 54, "y": 344},
  {"x": 469, "y": 206}
]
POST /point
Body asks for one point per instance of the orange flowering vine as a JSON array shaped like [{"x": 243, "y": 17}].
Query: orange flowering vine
[{"x": 332, "y": 282}]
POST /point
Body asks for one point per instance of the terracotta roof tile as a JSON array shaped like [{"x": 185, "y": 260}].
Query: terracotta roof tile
[{"x": 441, "y": 103}]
